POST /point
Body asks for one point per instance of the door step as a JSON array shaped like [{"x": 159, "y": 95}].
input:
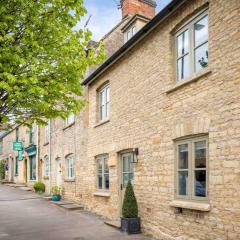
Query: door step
[
  {"x": 72, "y": 207},
  {"x": 61, "y": 203},
  {"x": 114, "y": 224}
]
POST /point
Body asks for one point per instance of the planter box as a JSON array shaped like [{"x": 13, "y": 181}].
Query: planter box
[
  {"x": 56, "y": 198},
  {"x": 131, "y": 225}
]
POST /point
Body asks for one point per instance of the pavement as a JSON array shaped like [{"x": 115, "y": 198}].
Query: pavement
[{"x": 27, "y": 216}]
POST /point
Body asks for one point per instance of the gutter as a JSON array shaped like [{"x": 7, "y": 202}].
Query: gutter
[{"x": 159, "y": 18}]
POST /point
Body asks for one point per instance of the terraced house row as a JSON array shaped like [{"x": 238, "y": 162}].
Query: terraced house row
[{"x": 164, "y": 112}]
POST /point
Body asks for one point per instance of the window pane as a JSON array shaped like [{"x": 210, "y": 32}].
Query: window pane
[
  {"x": 100, "y": 165},
  {"x": 183, "y": 43},
  {"x": 183, "y": 67},
  {"x": 106, "y": 170},
  {"x": 129, "y": 35},
  {"x": 125, "y": 164},
  {"x": 133, "y": 30},
  {"x": 131, "y": 177},
  {"x": 102, "y": 98},
  {"x": 200, "y": 154},
  {"x": 107, "y": 94},
  {"x": 183, "y": 183},
  {"x": 107, "y": 109},
  {"x": 183, "y": 156},
  {"x": 201, "y": 31},
  {"x": 125, "y": 179},
  {"x": 100, "y": 182},
  {"x": 200, "y": 183},
  {"x": 201, "y": 57},
  {"x": 106, "y": 181}
]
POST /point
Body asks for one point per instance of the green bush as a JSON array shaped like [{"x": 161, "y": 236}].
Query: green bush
[
  {"x": 56, "y": 190},
  {"x": 39, "y": 187},
  {"x": 2, "y": 171},
  {"x": 130, "y": 207}
]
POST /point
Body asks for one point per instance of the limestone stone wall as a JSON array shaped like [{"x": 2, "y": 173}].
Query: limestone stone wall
[{"x": 148, "y": 111}]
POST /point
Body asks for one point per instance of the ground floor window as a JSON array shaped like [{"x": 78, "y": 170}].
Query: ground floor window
[
  {"x": 102, "y": 173},
  {"x": 192, "y": 168},
  {"x": 33, "y": 168},
  {"x": 70, "y": 166},
  {"x": 46, "y": 166}
]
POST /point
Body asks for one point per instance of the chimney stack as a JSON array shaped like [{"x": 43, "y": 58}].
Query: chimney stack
[{"x": 145, "y": 8}]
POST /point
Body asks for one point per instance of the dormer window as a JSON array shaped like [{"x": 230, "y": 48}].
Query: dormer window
[{"x": 131, "y": 32}]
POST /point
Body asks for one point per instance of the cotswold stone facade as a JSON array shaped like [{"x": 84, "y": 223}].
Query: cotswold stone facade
[
  {"x": 150, "y": 111},
  {"x": 182, "y": 135},
  {"x": 26, "y": 169}
]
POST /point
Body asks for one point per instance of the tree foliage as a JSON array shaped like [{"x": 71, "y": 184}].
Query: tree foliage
[
  {"x": 130, "y": 207},
  {"x": 42, "y": 60}
]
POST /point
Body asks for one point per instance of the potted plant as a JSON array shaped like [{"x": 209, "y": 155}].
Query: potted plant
[
  {"x": 56, "y": 193},
  {"x": 130, "y": 222}
]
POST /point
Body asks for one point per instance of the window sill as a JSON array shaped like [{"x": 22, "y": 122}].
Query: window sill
[
  {"x": 192, "y": 79},
  {"x": 68, "y": 126},
  {"x": 69, "y": 180},
  {"x": 102, "y": 194},
  {"x": 102, "y": 122},
  {"x": 199, "y": 206}
]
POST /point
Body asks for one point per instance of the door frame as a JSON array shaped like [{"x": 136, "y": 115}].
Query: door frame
[{"x": 120, "y": 176}]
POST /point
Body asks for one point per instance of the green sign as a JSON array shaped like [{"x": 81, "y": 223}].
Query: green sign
[
  {"x": 17, "y": 146},
  {"x": 20, "y": 155}
]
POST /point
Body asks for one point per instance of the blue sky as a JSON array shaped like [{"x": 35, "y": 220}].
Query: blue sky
[{"x": 105, "y": 15}]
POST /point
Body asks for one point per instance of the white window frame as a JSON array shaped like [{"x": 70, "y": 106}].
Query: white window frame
[
  {"x": 70, "y": 119},
  {"x": 104, "y": 160},
  {"x": 131, "y": 32},
  {"x": 46, "y": 166},
  {"x": 104, "y": 105},
  {"x": 190, "y": 27},
  {"x": 70, "y": 174},
  {"x": 191, "y": 168}
]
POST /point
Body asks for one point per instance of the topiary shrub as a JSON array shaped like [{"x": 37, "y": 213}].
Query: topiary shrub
[
  {"x": 2, "y": 171},
  {"x": 39, "y": 187},
  {"x": 130, "y": 207}
]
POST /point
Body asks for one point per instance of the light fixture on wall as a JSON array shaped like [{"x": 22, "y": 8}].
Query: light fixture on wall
[{"x": 135, "y": 155}]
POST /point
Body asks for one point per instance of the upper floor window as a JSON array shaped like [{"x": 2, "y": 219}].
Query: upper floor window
[
  {"x": 104, "y": 103},
  {"x": 192, "y": 47},
  {"x": 46, "y": 134},
  {"x": 131, "y": 32},
  {"x": 102, "y": 173},
  {"x": 192, "y": 168},
  {"x": 70, "y": 166},
  {"x": 70, "y": 119},
  {"x": 46, "y": 166}
]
